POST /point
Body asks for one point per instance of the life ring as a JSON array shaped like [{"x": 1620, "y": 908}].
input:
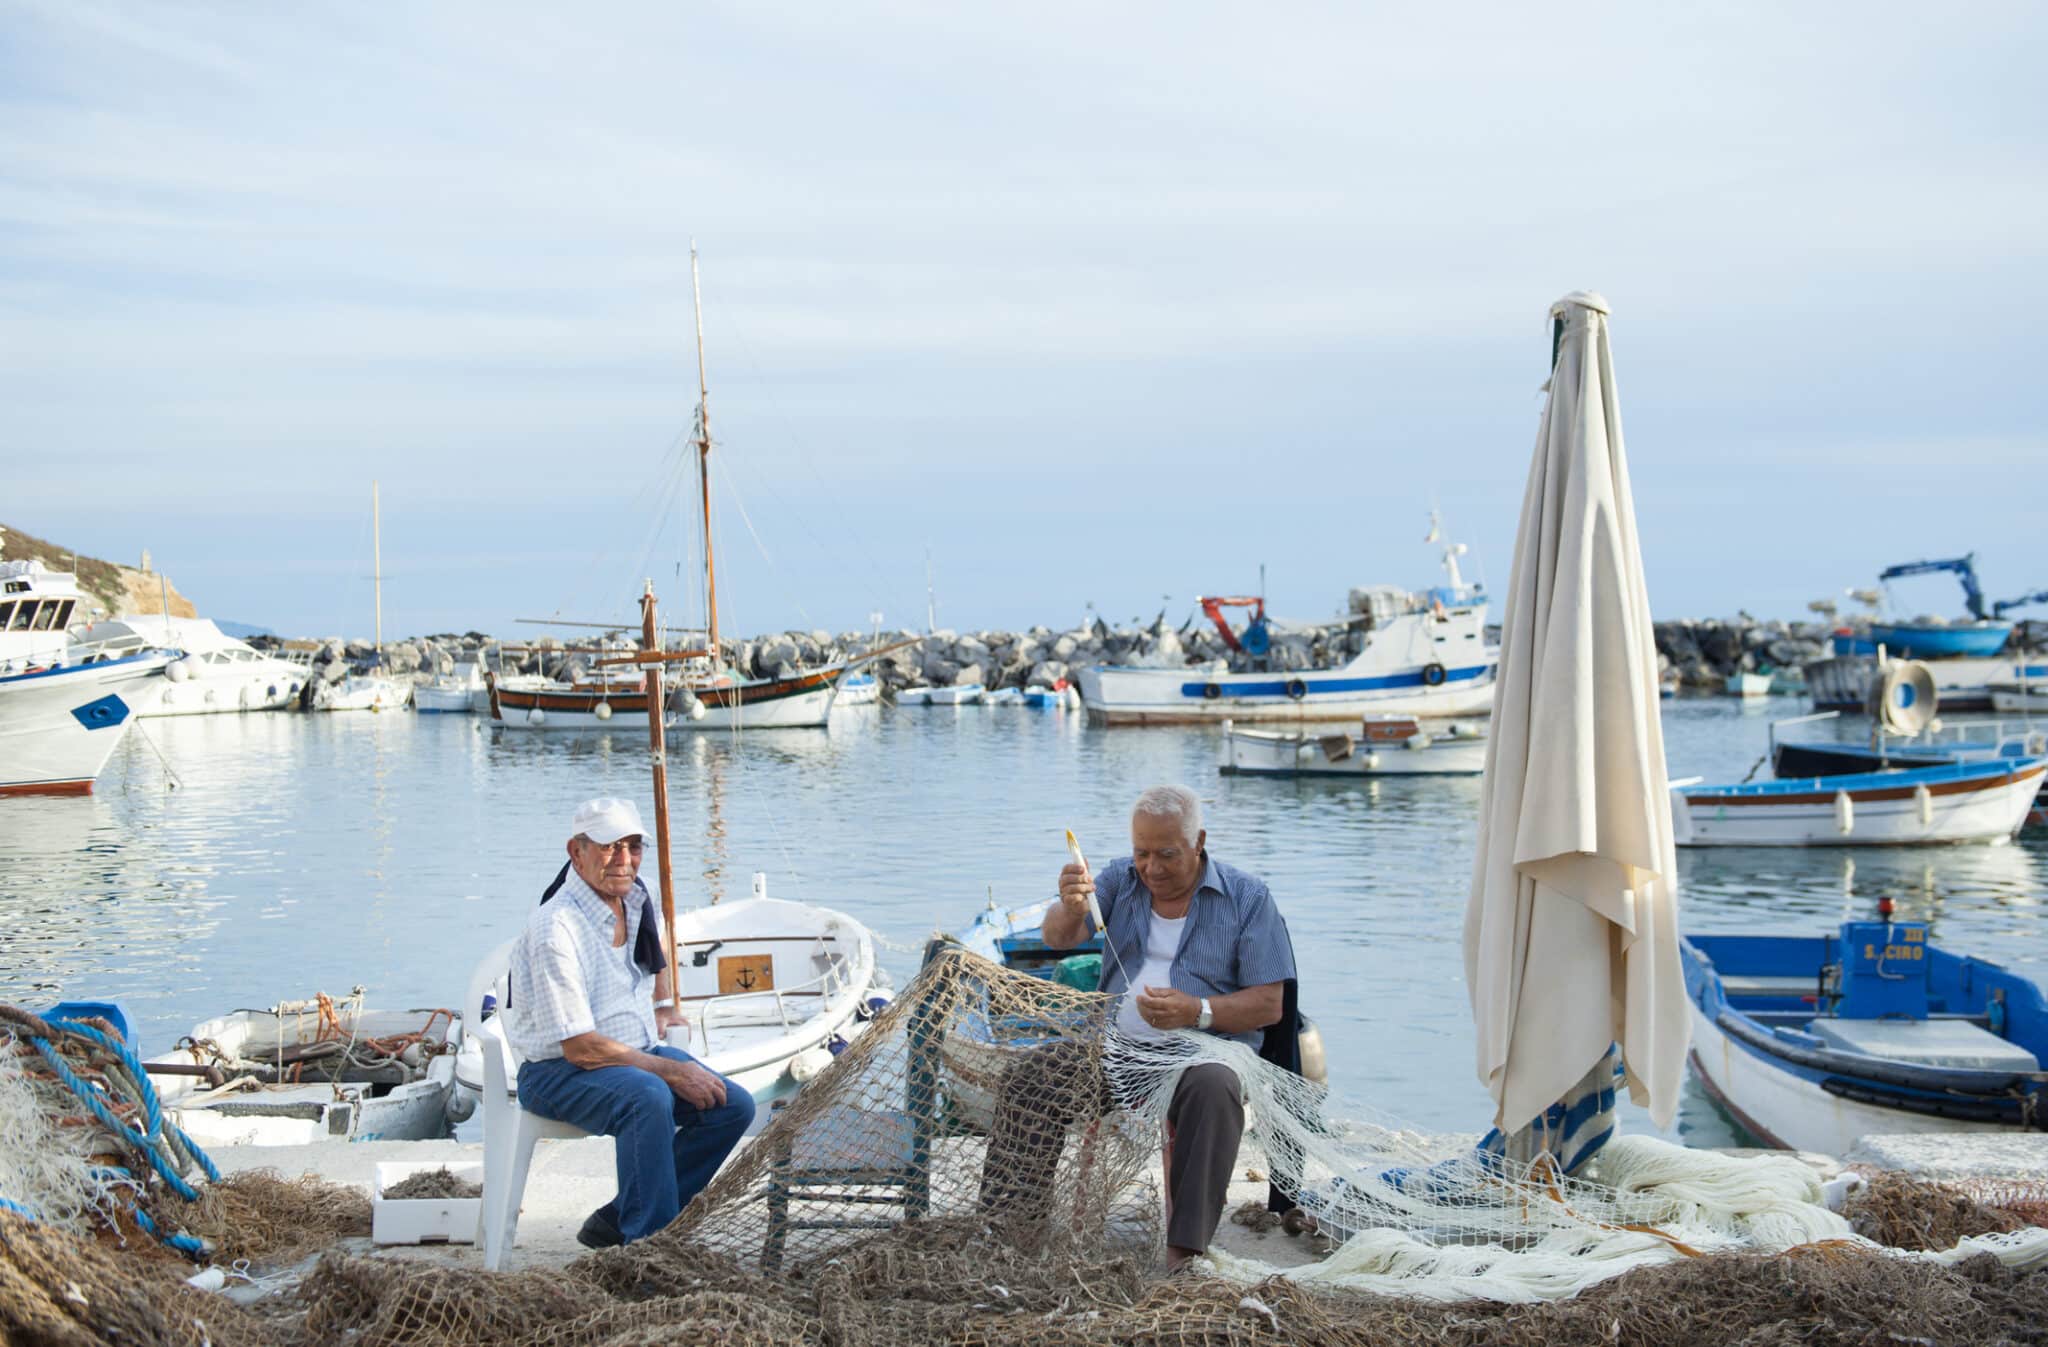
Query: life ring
[
  {"x": 1210, "y": 692},
  {"x": 1296, "y": 689},
  {"x": 1433, "y": 674}
]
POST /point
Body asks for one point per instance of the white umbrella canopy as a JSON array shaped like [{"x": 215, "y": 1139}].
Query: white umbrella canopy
[{"x": 1571, "y": 935}]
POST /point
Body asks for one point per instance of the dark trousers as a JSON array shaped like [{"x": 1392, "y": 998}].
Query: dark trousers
[
  {"x": 666, "y": 1148},
  {"x": 1056, "y": 1087}
]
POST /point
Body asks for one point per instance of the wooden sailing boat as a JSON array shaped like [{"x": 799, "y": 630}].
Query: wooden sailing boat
[
  {"x": 711, "y": 696},
  {"x": 703, "y": 693}
]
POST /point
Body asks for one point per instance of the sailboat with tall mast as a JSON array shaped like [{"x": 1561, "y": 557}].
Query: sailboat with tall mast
[
  {"x": 711, "y": 695},
  {"x": 368, "y": 691},
  {"x": 700, "y": 691}
]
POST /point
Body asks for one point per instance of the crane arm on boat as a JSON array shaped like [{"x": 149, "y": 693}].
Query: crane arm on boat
[
  {"x": 1255, "y": 639},
  {"x": 1964, "y": 569}
]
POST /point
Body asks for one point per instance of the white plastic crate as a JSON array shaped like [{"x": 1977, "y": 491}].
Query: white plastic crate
[{"x": 424, "y": 1220}]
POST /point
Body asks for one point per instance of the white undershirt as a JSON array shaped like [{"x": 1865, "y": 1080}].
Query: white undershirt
[{"x": 1162, "y": 942}]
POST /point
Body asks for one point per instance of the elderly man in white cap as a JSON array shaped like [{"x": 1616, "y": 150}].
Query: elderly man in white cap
[{"x": 589, "y": 997}]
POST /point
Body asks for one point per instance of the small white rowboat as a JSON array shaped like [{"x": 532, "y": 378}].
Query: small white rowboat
[{"x": 1388, "y": 746}]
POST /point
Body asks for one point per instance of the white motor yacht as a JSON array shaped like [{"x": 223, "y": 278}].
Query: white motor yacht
[
  {"x": 217, "y": 674},
  {"x": 63, "y": 710}
]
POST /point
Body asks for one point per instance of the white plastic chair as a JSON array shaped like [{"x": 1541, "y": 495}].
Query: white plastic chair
[{"x": 509, "y": 1130}]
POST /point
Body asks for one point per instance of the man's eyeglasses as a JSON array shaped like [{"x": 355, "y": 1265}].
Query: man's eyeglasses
[{"x": 634, "y": 845}]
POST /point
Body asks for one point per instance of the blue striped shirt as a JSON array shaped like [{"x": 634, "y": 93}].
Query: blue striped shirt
[
  {"x": 1235, "y": 937},
  {"x": 568, "y": 978}
]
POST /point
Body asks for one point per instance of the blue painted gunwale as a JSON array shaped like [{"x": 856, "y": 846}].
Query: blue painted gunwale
[
  {"x": 96, "y": 666},
  {"x": 1996, "y": 770},
  {"x": 1957, "y": 985}
]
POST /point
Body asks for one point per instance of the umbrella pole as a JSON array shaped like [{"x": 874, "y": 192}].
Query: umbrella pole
[{"x": 657, "y": 749}]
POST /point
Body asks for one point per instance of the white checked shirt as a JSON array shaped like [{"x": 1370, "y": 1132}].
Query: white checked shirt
[{"x": 569, "y": 979}]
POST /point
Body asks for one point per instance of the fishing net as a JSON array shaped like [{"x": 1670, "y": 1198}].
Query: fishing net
[{"x": 981, "y": 1168}]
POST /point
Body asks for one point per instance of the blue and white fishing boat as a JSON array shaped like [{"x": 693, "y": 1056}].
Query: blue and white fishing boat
[
  {"x": 64, "y": 708},
  {"x": 1958, "y": 802},
  {"x": 1425, "y": 655},
  {"x": 1812, "y": 1042},
  {"x": 1009, "y": 936},
  {"x": 1979, "y": 636},
  {"x": 1968, "y": 741}
]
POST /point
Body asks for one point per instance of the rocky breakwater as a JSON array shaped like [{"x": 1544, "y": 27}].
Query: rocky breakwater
[
  {"x": 1706, "y": 653},
  {"x": 416, "y": 659}
]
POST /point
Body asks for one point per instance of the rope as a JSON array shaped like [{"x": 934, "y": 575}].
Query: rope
[{"x": 114, "y": 1085}]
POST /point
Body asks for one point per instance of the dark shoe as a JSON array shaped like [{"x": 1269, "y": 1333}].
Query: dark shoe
[{"x": 598, "y": 1232}]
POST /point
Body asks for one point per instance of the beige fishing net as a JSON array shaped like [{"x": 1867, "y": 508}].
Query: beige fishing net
[{"x": 981, "y": 1168}]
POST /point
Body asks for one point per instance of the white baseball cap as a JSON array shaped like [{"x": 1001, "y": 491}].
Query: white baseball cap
[{"x": 606, "y": 820}]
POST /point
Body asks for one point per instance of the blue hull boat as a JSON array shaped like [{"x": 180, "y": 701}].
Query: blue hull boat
[
  {"x": 1959, "y": 640},
  {"x": 1010, "y": 937},
  {"x": 1812, "y": 1042}
]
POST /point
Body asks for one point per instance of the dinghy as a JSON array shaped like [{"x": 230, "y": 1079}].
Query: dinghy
[
  {"x": 1958, "y": 802},
  {"x": 1977, "y": 741},
  {"x": 1009, "y": 936},
  {"x": 314, "y": 1070},
  {"x": 1952, "y": 803},
  {"x": 1745, "y": 683},
  {"x": 1388, "y": 746},
  {"x": 1812, "y": 1042}
]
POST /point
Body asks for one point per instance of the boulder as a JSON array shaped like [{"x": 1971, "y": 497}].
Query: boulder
[
  {"x": 939, "y": 673},
  {"x": 966, "y": 674},
  {"x": 1065, "y": 646},
  {"x": 1047, "y": 672}
]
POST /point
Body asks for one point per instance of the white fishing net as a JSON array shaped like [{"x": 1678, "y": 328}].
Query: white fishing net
[{"x": 1432, "y": 1216}]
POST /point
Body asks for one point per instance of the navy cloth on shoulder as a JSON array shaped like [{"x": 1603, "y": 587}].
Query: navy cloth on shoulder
[{"x": 647, "y": 955}]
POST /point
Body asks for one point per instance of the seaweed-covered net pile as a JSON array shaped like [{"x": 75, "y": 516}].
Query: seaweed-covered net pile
[{"x": 981, "y": 1168}]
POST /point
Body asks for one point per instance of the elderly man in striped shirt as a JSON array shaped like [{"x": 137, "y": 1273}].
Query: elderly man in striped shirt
[
  {"x": 1192, "y": 944},
  {"x": 589, "y": 998}
]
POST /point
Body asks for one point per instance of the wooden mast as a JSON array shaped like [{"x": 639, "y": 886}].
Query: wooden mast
[
  {"x": 704, "y": 465},
  {"x": 657, "y": 748}
]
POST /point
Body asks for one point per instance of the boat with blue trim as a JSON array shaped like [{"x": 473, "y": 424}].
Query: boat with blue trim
[
  {"x": 1969, "y": 741},
  {"x": 1424, "y": 654},
  {"x": 64, "y": 708},
  {"x": 1010, "y": 937},
  {"x": 1957, "y": 802},
  {"x": 1812, "y": 1042}
]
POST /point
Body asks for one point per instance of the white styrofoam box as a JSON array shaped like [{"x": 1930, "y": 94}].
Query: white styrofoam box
[{"x": 424, "y": 1220}]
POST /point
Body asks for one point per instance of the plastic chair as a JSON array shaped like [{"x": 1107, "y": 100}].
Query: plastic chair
[{"x": 510, "y": 1132}]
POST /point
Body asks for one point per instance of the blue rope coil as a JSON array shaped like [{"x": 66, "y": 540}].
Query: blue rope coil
[{"x": 160, "y": 1142}]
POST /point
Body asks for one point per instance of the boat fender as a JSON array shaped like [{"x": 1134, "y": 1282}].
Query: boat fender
[
  {"x": 1417, "y": 741},
  {"x": 177, "y": 671},
  {"x": 1296, "y": 689},
  {"x": 1923, "y": 801},
  {"x": 603, "y": 710},
  {"x": 1455, "y": 730},
  {"x": 1305, "y": 751},
  {"x": 1210, "y": 692},
  {"x": 871, "y": 1007},
  {"x": 1845, "y": 813},
  {"x": 1371, "y": 762},
  {"x": 808, "y": 1063},
  {"x": 412, "y": 1055},
  {"x": 536, "y": 717},
  {"x": 1433, "y": 674},
  {"x": 1315, "y": 1062}
]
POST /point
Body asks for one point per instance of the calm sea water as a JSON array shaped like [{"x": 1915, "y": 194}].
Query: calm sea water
[{"x": 315, "y": 852}]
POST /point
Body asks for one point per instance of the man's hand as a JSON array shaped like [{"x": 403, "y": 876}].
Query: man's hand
[
  {"x": 693, "y": 1084},
  {"x": 1165, "y": 1008},
  {"x": 1077, "y": 886},
  {"x": 666, "y": 1018}
]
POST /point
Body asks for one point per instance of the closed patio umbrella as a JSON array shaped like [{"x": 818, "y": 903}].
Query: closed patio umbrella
[{"x": 1571, "y": 938}]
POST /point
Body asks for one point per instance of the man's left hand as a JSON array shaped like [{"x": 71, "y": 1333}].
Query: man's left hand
[
  {"x": 667, "y": 1017},
  {"x": 1165, "y": 1008}
]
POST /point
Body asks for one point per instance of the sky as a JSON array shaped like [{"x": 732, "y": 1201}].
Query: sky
[{"x": 1088, "y": 309}]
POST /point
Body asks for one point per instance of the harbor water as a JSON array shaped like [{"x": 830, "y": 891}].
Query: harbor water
[{"x": 305, "y": 853}]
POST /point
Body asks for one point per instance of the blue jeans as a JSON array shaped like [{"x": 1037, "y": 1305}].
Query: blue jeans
[{"x": 667, "y": 1148}]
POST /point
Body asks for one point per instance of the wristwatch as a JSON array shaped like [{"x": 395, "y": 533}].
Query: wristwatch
[{"x": 1207, "y": 1017}]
